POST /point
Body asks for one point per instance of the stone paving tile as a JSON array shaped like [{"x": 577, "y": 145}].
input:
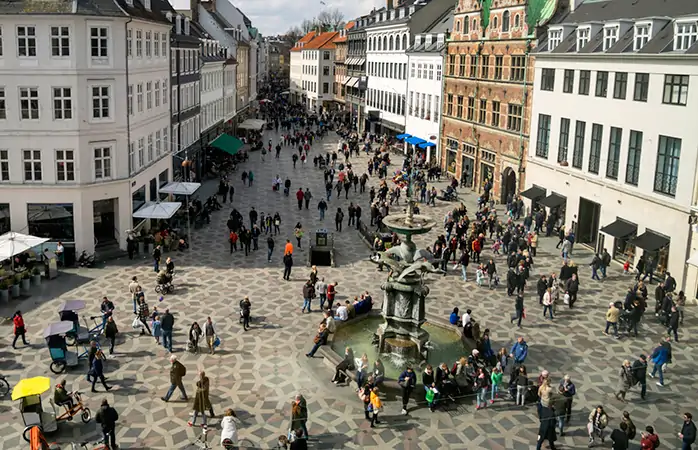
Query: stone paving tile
[{"x": 258, "y": 372}]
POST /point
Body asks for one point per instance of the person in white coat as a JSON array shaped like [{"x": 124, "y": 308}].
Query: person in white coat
[
  {"x": 548, "y": 303},
  {"x": 229, "y": 429}
]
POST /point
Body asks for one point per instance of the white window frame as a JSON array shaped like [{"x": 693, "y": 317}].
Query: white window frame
[
  {"x": 165, "y": 92},
  {"x": 32, "y": 95},
  {"x": 156, "y": 45},
  {"x": 4, "y": 165},
  {"x": 35, "y": 163},
  {"x": 175, "y": 94},
  {"x": 129, "y": 42},
  {"x": 641, "y": 38},
  {"x": 3, "y": 104},
  {"x": 141, "y": 152},
  {"x": 102, "y": 42},
  {"x": 62, "y": 103},
  {"x": 139, "y": 43},
  {"x": 583, "y": 36},
  {"x": 68, "y": 162},
  {"x": 165, "y": 140},
  {"x": 149, "y": 95},
  {"x": 610, "y": 36},
  {"x": 105, "y": 162},
  {"x": 97, "y": 92},
  {"x": 1, "y": 43},
  {"x": 26, "y": 34},
  {"x": 129, "y": 99},
  {"x": 156, "y": 91},
  {"x": 148, "y": 44},
  {"x": 685, "y": 34},
  {"x": 150, "y": 148},
  {"x": 554, "y": 38},
  {"x": 158, "y": 144},
  {"x": 139, "y": 97},
  {"x": 132, "y": 158},
  {"x": 163, "y": 44},
  {"x": 60, "y": 41}
]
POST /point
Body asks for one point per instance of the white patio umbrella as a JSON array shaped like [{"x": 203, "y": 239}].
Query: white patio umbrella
[
  {"x": 186, "y": 189},
  {"x": 158, "y": 210},
  {"x": 13, "y": 243}
]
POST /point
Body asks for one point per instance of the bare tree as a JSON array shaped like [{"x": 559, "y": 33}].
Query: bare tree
[
  {"x": 307, "y": 25},
  {"x": 293, "y": 35},
  {"x": 330, "y": 19}
]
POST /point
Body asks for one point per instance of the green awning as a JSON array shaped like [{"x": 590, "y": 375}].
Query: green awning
[{"x": 227, "y": 143}]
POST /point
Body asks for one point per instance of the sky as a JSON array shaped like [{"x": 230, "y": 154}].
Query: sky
[{"x": 273, "y": 17}]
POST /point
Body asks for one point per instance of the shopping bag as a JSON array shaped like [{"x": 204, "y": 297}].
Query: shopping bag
[
  {"x": 216, "y": 342},
  {"x": 430, "y": 395},
  {"x": 567, "y": 298},
  {"x": 524, "y": 314},
  {"x": 137, "y": 324}
]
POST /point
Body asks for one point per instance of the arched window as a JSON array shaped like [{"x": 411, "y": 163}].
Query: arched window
[
  {"x": 391, "y": 43},
  {"x": 458, "y": 26},
  {"x": 495, "y": 22},
  {"x": 380, "y": 46},
  {"x": 517, "y": 21},
  {"x": 385, "y": 42},
  {"x": 505, "y": 21},
  {"x": 466, "y": 26},
  {"x": 474, "y": 24},
  {"x": 404, "y": 42}
]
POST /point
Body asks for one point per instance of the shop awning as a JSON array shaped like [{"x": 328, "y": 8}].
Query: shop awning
[
  {"x": 414, "y": 140},
  {"x": 619, "y": 229},
  {"x": 179, "y": 188},
  {"x": 351, "y": 81},
  {"x": 533, "y": 193},
  {"x": 403, "y": 136},
  {"x": 350, "y": 61},
  {"x": 252, "y": 124},
  {"x": 553, "y": 200},
  {"x": 693, "y": 260},
  {"x": 159, "y": 210},
  {"x": 227, "y": 143},
  {"x": 353, "y": 84},
  {"x": 426, "y": 145},
  {"x": 360, "y": 61},
  {"x": 650, "y": 241}
]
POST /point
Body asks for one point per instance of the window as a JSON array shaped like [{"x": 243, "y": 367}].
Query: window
[
  {"x": 131, "y": 159},
  {"x": 543, "y": 138},
  {"x": 419, "y": 71},
  {"x": 3, "y": 106},
  {"x": 547, "y": 81},
  {"x": 102, "y": 163},
  {"x": 150, "y": 148},
  {"x": 461, "y": 65},
  {"x": 449, "y": 104},
  {"x": 485, "y": 71},
  {"x": 578, "y": 151},
  {"x": 29, "y": 103},
  {"x": 563, "y": 145},
  {"x": 610, "y": 37},
  {"x": 325, "y": 55},
  {"x": 459, "y": 107},
  {"x": 62, "y": 104},
  {"x": 438, "y": 72},
  {"x": 437, "y": 105},
  {"x": 141, "y": 152},
  {"x": 0, "y": 41},
  {"x": 614, "y": 153},
  {"x": 498, "y": 63},
  {"x": 595, "y": 149},
  {"x": 568, "y": 81},
  {"x": 451, "y": 66},
  {"x": 100, "y": 102},
  {"x": 642, "y": 84},
  {"x": 473, "y": 66},
  {"x": 32, "y": 165},
  {"x": 642, "y": 36},
  {"x": 157, "y": 93},
  {"x": 505, "y": 21},
  {"x": 99, "y": 42},
  {"x": 163, "y": 45},
  {"x": 666, "y": 174},
  {"x": 165, "y": 139},
  {"x": 514, "y": 117},
  {"x": 60, "y": 41},
  {"x": 156, "y": 45},
  {"x": 431, "y": 71},
  {"x": 582, "y": 37},
  {"x": 483, "y": 111},
  {"x": 584, "y": 82},
  {"x": 139, "y": 43},
  {"x": 148, "y": 44},
  {"x": 686, "y": 34},
  {"x": 471, "y": 108},
  {"x": 620, "y": 85},
  {"x": 26, "y": 41},
  {"x": 139, "y": 97},
  {"x": 632, "y": 170},
  {"x": 601, "y": 83},
  {"x": 158, "y": 144},
  {"x": 129, "y": 99},
  {"x": 149, "y": 95},
  {"x": 4, "y": 166},
  {"x": 518, "y": 68},
  {"x": 325, "y": 88},
  {"x": 326, "y": 70},
  {"x": 65, "y": 165},
  {"x": 675, "y": 89},
  {"x": 554, "y": 39},
  {"x": 129, "y": 43},
  {"x": 496, "y": 106}
]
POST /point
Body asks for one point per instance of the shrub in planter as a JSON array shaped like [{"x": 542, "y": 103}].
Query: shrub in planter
[
  {"x": 14, "y": 289},
  {"x": 36, "y": 276},
  {"x": 4, "y": 291},
  {"x": 25, "y": 281}
]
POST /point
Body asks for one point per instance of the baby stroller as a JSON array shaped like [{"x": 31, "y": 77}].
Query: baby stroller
[{"x": 164, "y": 283}]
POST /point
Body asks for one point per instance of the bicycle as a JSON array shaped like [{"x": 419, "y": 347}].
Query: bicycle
[{"x": 4, "y": 386}]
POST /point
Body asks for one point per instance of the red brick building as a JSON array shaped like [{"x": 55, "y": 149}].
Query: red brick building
[{"x": 487, "y": 95}]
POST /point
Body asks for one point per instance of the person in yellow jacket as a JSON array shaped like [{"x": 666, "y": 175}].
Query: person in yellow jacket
[{"x": 376, "y": 406}]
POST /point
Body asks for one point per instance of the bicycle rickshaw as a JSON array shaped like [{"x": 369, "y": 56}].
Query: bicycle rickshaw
[
  {"x": 28, "y": 393},
  {"x": 61, "y": 356},
  {"x": 79, "y": 334}
]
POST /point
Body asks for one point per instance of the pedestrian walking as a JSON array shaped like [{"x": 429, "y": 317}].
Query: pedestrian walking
[
  {"x": 157, "y": 253},
  {"x": 270, "y": 248},
  {"x": 143, "y": 316},
  {"x": 107, "y": 417},
  {"x": 110, "y": 332},
  {"x": 407, "y": 382},
  {"x": 338, "y": 218},
  {"x": 201, "y": 400},
  {"x": 288, "y": 264},
  {"x": 612, "y": 316},
  {"x": 18, "y": 328},
  {"x": 569, "y": 390},
  {"x": 659, "y": 357},
  {"x": 625, "y": 380},
  {"x": 639, "y": 369},
  {"x": 167, "y": 325},
  {"x": 688, "y": 432},
  {"x": 546, "y": 429},
  {"x": 97, "y": 371},
  {"x": 245, "y": 309},
  {"x": 376, "y": 407},
  {"x": 210, "y": 334},
  {"x": 598, "y": 420},
  {"x": 177, "y": 373}
]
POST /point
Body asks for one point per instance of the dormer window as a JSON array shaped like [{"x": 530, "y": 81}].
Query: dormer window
[
  {"x": 685, "y": 34},
  {"x": 146, "y": 3},
  {"x": 554, "y": 39},
  {"x": 186, "y": 26},
  {"x": 583, "y": 37},
  {"x": 642, "y": 35},
  {"x": 610, "y": 36}
]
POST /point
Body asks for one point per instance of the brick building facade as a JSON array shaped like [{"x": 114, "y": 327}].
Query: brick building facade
[{"x": 487, "y": 95}]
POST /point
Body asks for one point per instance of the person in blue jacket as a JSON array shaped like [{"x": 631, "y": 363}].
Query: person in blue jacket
[
  {"x": 659, "y": 357},
  {"x": 454, "y": 317},
  {"x": 519, "y": 351},
  {"x": 407, "y": 381}
]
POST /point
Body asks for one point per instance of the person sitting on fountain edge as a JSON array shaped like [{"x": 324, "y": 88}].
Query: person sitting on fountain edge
[{"x": 454, "y": 318}]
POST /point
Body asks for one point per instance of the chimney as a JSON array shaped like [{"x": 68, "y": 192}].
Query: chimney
[{"x": 574, "y": 4}]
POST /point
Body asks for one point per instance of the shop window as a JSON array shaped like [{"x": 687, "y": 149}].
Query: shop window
[
  {"x": 5, "y": 224},
  {"x": 51, "y": 220}
]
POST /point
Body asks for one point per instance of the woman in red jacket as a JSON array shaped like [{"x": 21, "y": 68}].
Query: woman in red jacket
[{"x": 19, "y": 328}]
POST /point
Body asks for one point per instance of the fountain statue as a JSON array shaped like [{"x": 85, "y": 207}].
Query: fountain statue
[{"x": 405, "y": 292}]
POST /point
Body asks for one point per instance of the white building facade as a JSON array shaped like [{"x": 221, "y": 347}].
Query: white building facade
[
  {"x": 297, "y": 69},
  {"x": 84, "y": 122},
  {"x": 213, "y": 109},
  {"x": 614, "y": 146}
]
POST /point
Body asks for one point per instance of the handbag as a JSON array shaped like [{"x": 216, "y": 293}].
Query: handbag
[
  {"x": 567, "y": 298},
  {"x": 216, "y": 342},
  {"x": 137, "y": 324}
]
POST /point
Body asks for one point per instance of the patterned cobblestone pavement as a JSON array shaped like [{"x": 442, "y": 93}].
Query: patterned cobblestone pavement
[{"x": 259, "y": 371}]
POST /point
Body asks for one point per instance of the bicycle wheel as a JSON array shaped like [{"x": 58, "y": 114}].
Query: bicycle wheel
[
  {"x": 86, "y": 415},
  {"x": 4, "y": 387},
  {"x": 58, "y": 367},
  {"x": 158, "y": 289}
]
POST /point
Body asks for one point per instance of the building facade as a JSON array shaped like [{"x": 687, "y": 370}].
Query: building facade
[
  {"x": 339, "y": 71},
  {"x": 356, "y": 80},
  {"x": 213, "y": 95},
  {"x": 486, "y": 110},
  {"x": 318, "y": 61},
  {"x": 84, "y": 118},
  {"x": 615, "y": 146},
  {"x": 297, "y": 69}
]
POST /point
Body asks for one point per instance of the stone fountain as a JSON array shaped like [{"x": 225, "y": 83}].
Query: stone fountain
[{"x": 403, "y": 309}]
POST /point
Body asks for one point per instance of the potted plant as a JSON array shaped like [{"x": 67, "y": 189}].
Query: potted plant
[
  {"x": 36, "y": 276},
  {"x": 4, "y": 291},
  {"x": 14, "y": 289},
  {"x": 25, "y": 281}
]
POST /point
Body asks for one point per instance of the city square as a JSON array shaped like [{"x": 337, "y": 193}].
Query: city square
[{"x": 258, "y": 372}]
